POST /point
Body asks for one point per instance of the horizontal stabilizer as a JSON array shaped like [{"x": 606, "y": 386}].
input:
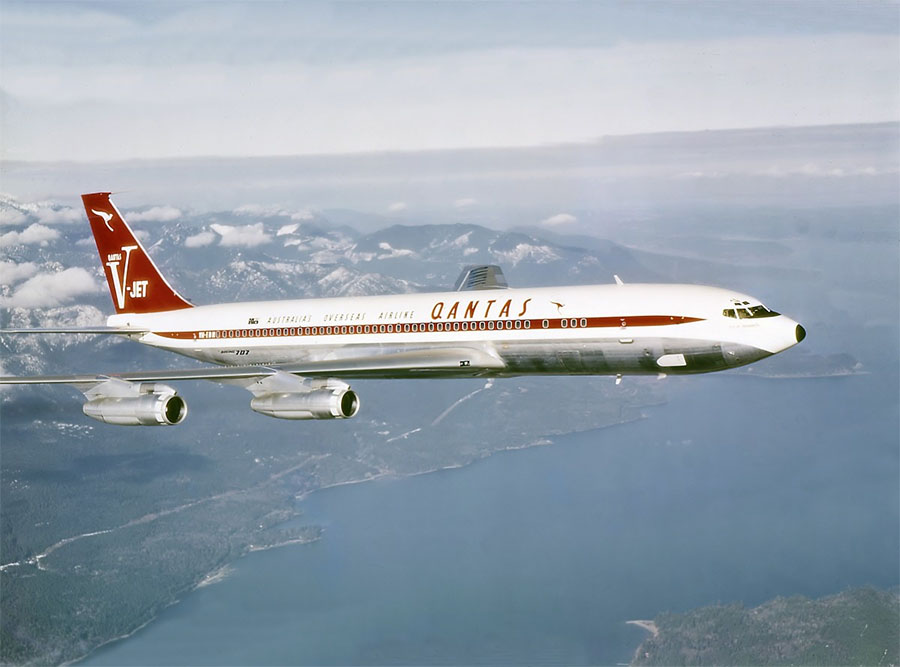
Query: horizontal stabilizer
[{"x": 426, "y": 362}]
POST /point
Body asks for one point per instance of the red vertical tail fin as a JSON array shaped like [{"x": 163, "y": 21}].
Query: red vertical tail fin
[{"x": 136, "y": 285}]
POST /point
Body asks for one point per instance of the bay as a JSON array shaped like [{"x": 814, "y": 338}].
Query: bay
[{"x": 739, "y": 489}]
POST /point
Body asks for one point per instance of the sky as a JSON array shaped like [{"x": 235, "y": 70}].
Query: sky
[{"x": 126, "y": 80}]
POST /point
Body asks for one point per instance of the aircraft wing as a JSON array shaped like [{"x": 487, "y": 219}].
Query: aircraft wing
[
  {"x": 411, "y": 363},
  {"x": 78, "y": 330}
]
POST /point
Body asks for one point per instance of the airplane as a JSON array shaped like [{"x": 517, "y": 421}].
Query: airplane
[{"x": 294, "y": 356}]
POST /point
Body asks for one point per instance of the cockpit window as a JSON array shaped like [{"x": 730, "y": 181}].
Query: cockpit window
[{"x": 744, "y": 311}]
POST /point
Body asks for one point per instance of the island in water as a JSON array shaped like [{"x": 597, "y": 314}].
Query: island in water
[{"x": 856, "y": 627}]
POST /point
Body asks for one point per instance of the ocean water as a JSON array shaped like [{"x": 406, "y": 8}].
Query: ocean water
[{"x": 739, "y": 489}]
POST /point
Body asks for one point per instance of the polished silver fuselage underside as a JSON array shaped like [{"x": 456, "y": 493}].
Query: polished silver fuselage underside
[{"x": 588, "y": 356}]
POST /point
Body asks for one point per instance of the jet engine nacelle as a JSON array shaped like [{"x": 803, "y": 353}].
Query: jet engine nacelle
[
  {"x": 330, "y": 403},
  {"x": 148, "y": 405}
]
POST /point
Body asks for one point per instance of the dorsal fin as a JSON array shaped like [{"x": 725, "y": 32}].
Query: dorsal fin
[{"x": 480, "y": 276}]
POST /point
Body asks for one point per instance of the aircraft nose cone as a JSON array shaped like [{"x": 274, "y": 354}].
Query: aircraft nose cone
[{"x": 800, "y": 332}]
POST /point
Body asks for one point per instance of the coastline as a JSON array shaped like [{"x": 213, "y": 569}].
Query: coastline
[
  {"x": 221, "y": 572},
  {"x": 542, "y": 441},
  {"x": 214, "y": 577},
  {"x": 649, "y": 626}
]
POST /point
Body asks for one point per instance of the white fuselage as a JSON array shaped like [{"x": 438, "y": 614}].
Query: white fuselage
[{"x": 595, "y": 329}]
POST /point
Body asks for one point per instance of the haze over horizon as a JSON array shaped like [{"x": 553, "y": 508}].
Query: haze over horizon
[{"x": 503, "y": 187}]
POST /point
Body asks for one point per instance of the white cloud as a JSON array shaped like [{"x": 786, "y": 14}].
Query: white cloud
[
  {"x": 246, "y": 235},
  {"x": 288, "y": 229},
  {"x": 394, "y": 252},
  {"x": 10, "y": 216},
  {"x": 199, "y": 240},
  {"x": 559, "y": 219},
  {"x": 11, "y": 273},
  {"x": 465, "y": 202},
  {"x": 462, "y": 240},
  {"x": 49, "y": 216},
  {"x": 46, "y": 290},
  {"x": 141, "y": 235},
  {"x": 397, "y": 206},
  {"x": 305, "y": 214},
  {"x": 35, "y": 233},
  {"x": 539, "y": 254},
  {"x": 155, "y": 214}
]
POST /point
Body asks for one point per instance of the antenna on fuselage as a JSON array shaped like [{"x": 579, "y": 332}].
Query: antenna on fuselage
[{"x": 618, "y": 280}]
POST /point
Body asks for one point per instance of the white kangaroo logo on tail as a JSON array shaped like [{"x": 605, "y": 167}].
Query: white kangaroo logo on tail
[
  {"x": 106, "y": 218},
  {"x": 138, "y": 289}
]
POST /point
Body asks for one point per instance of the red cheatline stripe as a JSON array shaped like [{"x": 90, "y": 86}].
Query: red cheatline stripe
[{"x": 437, "y": 326}]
